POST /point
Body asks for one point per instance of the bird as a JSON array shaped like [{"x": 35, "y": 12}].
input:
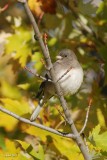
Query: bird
[{"x": 69, "y": 74}]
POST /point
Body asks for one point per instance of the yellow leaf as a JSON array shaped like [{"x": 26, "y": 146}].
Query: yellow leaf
[
  {"x": 11, "y": 153},
  {"x": 19, "y": 45},
  {"x": 25, "y": 145},
  {"x": 65, "y": 146},
  {"x": 8, "y": 122},
  {"x": 35, "y": 6},
  {"x": 39, "y": 154},
  {"x": 19, "y": 107},
  {"x": 10, "y": 91},
  {"x": 100, "y": 117},
  {"x": 37, "y": 58},
  {"x": 24, "y": 86}
]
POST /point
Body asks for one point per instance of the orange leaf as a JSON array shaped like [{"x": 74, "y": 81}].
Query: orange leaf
[{"x": 39, "y": 7}]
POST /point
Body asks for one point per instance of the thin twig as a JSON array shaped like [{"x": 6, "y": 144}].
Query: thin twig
[
  {"x": 86, "y": 119},
  {"x": 59, "y": 124},
  {"x": 4, "y": 8},
  {"x": 61, "y": 114},
  {"x": 85, "y": 141},
  {"x": 40, "y": 18},
  {"x": 64, "y": 74},
  {"x": 36, "y": 74}
]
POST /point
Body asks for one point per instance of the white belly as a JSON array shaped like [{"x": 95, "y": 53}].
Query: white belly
[{"x": 71, "y": 82}]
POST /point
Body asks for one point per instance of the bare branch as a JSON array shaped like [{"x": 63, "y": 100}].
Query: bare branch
[
  {"x": 86, "y": 119},
  {"x": 36, "y": 124}
]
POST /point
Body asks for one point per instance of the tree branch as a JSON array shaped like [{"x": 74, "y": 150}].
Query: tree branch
[
  {"x": 49, "y": 66},
  {"x": 68, "y": 135},
  {"x": 36, "y": 74}
]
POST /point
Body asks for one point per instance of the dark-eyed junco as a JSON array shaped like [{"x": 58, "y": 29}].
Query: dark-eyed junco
[{"x": 69, "y": 74}]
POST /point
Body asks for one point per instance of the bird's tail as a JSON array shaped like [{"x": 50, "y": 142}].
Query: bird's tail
[{"x": 36, "y": 111}]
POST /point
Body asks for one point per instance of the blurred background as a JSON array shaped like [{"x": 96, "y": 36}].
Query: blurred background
[{"x": 78, "y": 25}]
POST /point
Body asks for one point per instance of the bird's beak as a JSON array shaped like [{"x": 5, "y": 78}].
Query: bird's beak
[{"x": 58, "y": 57}]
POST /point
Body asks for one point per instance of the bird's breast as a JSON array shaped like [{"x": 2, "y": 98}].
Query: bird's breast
[{"x": 71, "y": 81}]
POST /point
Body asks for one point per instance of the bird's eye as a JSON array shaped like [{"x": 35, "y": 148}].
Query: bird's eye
[{"x": 65, "y": 55}]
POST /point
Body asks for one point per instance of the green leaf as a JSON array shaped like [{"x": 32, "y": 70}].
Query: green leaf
[
  {"x": 2, "y": 142},
  {"x": 100, "y": 9},
  {"x": 52, "y": 41},
  {"x": 87, "y": 8},
  {"x": 100, "y": 140}
]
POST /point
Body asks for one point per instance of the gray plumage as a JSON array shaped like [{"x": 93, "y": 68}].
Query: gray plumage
[{"x": 69, "y": 74}]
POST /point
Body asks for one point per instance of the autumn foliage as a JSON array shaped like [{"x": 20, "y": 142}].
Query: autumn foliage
[{"x": 77, "y": 25}]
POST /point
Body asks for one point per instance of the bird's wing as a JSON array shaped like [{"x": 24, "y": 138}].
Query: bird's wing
[{"x": 41, "y": 90}]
